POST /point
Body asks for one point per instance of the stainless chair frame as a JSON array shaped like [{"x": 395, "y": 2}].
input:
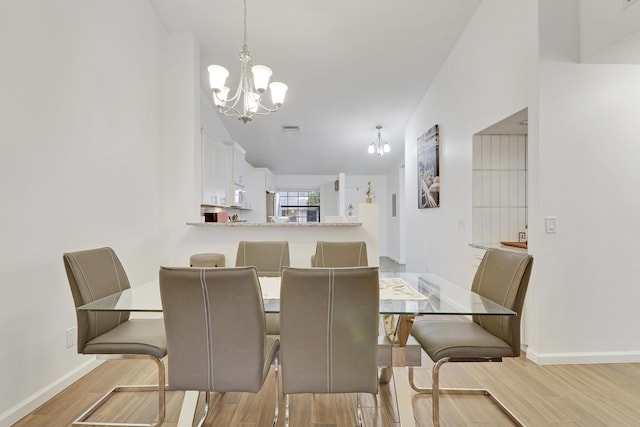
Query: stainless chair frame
[
  {"x": 436, "y": 390},
  {"x": 207, "y": 401},
  {"x": 160, "y": 388}
]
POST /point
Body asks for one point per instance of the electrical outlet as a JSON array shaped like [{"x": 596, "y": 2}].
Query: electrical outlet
[
  {"x": 627, "y": 3},
  {"x": 71, "y": 337}
]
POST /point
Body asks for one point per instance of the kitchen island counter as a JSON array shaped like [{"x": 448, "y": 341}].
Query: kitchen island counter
[
  {"x": 275, "y": 224},
  {"x": 223, "y": 237}
]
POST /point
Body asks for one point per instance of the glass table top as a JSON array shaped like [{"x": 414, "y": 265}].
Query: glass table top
[{"x": 400, "y": 293}]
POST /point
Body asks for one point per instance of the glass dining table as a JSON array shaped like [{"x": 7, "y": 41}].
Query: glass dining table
[{"x": 402, "y": 296}]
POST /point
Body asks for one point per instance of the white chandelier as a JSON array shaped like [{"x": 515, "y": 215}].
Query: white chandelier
[
  {"x": 379, "y": 146},
  {"x": 254, "y": 80}
]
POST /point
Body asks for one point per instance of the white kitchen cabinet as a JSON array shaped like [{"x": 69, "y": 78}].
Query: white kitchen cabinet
[
  {"x": 240, "y": 179},
  {"x": 216, "y": 172},
  {"x": 248, "y": 178},
  {"x": 270, "y": 181},
  {"x": 227, "y": 178},
  {"x": 238, "y": 164}
]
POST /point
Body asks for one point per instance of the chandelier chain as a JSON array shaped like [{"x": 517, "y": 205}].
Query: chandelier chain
[
  {"x": 245, "y": 26},
  {"x": 247, "y": 100}
]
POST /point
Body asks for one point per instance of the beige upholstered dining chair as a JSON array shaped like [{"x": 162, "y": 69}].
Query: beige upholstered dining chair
[
  {"x": 340, "y": 254},
  {"x": 329, "y": 331},
  {"x": 268, "y": 257},
  {"x": 502, "y": 277},
  {"x": 215, "y": 326},
  {"x": 94, "y": 274}
]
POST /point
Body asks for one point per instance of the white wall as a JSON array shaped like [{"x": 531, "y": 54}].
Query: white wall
[
  {"x": 588, "y": 151},
  {"x": 609, "y": 32},
  {"x": 489, "y": 75},
  {"x": 582, "y": 153},
  {"x": 80, "y": 166},
  {"x": 395, "y": 230}
]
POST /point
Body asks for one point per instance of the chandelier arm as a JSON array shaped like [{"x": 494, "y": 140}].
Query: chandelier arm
[{"x": 247, "y": 100}]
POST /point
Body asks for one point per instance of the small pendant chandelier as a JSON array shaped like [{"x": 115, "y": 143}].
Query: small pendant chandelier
[
  {"x": 379, "y": 146},
  {"x": 254, "y": 80}
]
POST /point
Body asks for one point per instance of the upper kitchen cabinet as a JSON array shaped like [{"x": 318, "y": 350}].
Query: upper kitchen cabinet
[
  {"x": 227, "y": 178},
  {"x": 238, "y": 164},
  {"x": 241, "y": 177},
  {"x": 216, "y": 172},
  {"x": 270, "y": 181}
]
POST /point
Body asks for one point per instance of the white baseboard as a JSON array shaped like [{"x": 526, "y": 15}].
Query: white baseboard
[
  {"x": 31, "y": 403},
  {"x": 583, "y": 358}
]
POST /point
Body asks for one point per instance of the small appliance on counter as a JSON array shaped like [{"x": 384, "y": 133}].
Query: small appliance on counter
[
  {"x": 216, "y": 216},
  {"x": 222, "y": 217}
]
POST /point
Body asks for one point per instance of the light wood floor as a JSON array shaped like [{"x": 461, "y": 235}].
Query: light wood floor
[
  {"x": 554, "y": 396},
  {"x": 558, "y": 396}
]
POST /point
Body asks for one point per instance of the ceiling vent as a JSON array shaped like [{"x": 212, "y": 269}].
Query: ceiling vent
[{"x": 290, "y": 128}]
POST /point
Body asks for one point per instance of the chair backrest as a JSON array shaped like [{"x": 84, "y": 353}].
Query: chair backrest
[
  {"x": 94, "y": 274},
  {"x": 329, "y": 330},
  {"x": 340, "y": 254},
  {"x": 215, "y": 327},
  {"x": 267, "y": 257},
  {"x": 503, "y": 277}
]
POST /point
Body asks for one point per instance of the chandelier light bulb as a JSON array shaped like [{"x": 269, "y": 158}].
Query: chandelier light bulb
[
  {"x": 372, "y": 148},
  {"x": 253, "y": 102},
  {"x": 261, "y": 76},
  {"x": 387, "y": 147},
  {"x": 278, "y": 92},
  {"x": 217, "y": 76}
]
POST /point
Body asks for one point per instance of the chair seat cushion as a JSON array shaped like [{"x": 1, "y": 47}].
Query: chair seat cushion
[
  {"x": 134, "y": 336},
  {"x": 458, "y": 339}
]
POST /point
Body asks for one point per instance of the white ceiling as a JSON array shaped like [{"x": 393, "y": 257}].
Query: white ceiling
[{"x": 349, "y": 65}]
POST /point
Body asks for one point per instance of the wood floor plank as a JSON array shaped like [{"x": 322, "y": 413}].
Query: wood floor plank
[
  {"x": 554, "y": 396},
  {"x": 606, "y": 395}
]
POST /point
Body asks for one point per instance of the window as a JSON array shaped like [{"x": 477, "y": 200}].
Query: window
[{"x": 300, "y": 206}]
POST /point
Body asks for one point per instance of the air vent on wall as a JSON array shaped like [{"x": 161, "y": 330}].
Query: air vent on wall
[{"x": 290, "y": 128}]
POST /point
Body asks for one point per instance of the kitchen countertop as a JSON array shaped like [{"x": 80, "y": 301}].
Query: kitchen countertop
[
  {"x": 275, "y": 224},
  {"x": 497, "y": 246}
]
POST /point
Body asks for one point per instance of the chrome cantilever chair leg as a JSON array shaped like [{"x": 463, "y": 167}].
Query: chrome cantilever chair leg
[
  {"x": 359, "y": 411},
  {"x": 207, "y": 400},
  {"x": 205, "y": 412},
  {"x": 436, "y": 390},
  {"x": 160, "y": 388},
  {"x": 286, "y": 410},
  {"x": 275, "y": 415}
]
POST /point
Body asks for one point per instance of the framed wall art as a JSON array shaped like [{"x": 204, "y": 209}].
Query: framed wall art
[{"x": 429, "y": 169}]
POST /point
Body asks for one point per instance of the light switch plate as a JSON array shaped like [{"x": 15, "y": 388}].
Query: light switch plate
[{"x": 550, "y": 224}]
